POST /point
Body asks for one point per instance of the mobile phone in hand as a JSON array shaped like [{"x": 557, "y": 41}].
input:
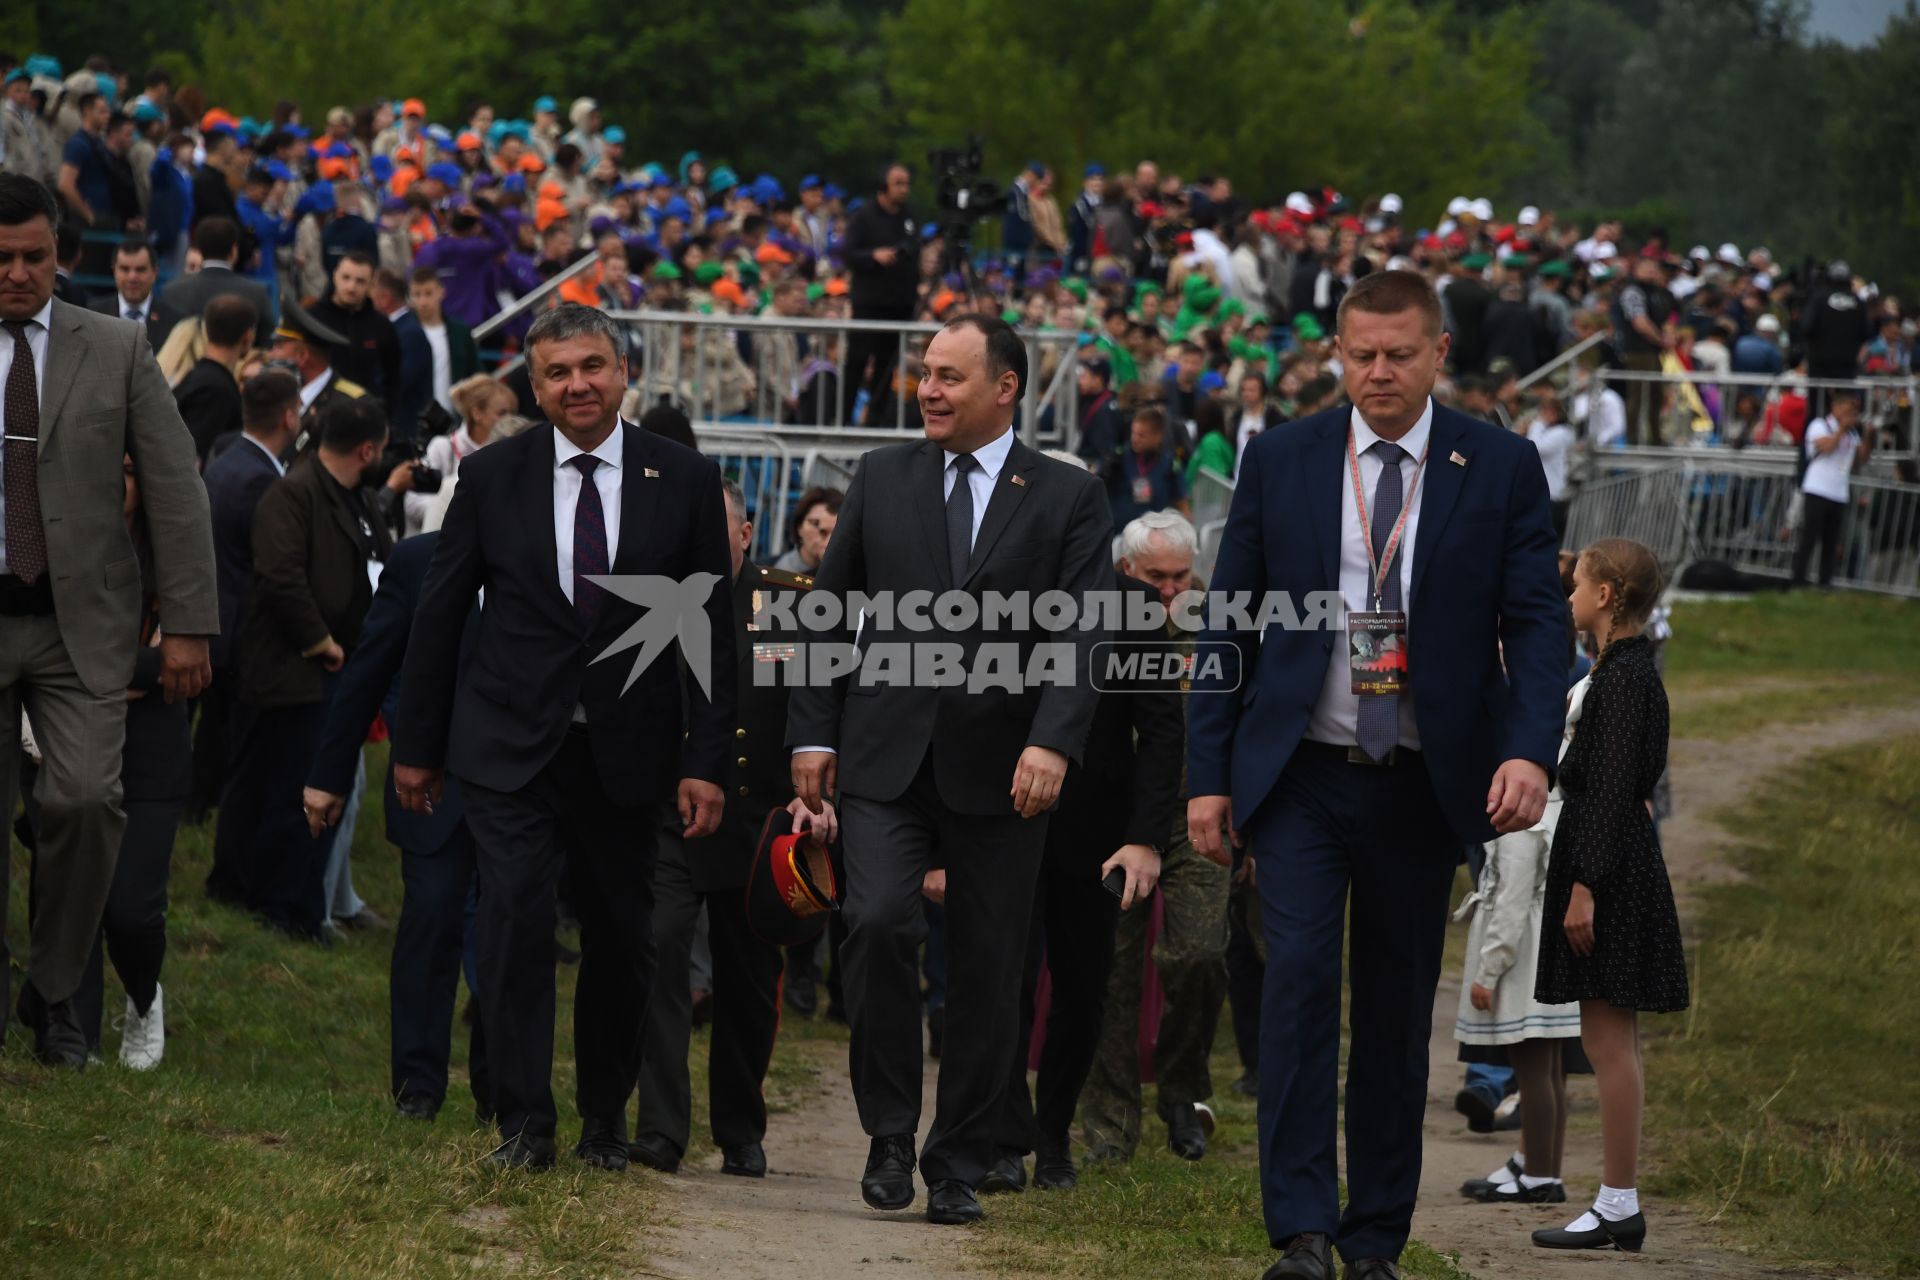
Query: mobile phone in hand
[{"x": 1116, "y": 882}]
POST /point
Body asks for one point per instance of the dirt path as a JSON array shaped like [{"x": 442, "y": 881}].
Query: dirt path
[
  {"x": 1708, "y": 777},
  {"x": 805, "y": 1220}
]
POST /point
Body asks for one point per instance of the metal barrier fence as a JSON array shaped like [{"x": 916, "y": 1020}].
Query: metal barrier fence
[
  {"x": 1673, "y": 407},
  {"x": 1708, "y": 504},
  {"x": 794, "y": 372}
]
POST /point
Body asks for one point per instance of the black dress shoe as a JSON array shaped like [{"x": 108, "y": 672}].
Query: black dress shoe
[
  {"x": 1373, "y": 1269},
  {"x": 801, "y": 995},
  {"x": 1473, "y": 1187},
  {"x": 655, "y": 1152},
  {"x": 936, "y": 1031},
  {"x": 1186, "y": 1137},
  {"x": 953, "y": 1204},
  {"x": 603, "y": 1144},
  {"x": 1053, "y": 1169},
  {"x": 888, "y": 1183},
  {"x": 746, "y": 1161},
  {"x": 1519, "y": 1193},
  {"x": 1473, "y": 1104},
  {"x": 1008, "y": 1173},
  {"x": 417, "y": 1106},
  {"x": 57, "y": 1038},
  {"x": 1627, "y": 1235},
  {"x": 524, "y": 1151},
  {"x": 1308, "y": 1257}
]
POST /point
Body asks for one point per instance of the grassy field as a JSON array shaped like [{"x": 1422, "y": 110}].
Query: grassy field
[{"x": 1784, "y": 1102}]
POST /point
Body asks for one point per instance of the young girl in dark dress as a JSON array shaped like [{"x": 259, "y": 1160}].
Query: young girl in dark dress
[{"x": 1610, "y": 934}]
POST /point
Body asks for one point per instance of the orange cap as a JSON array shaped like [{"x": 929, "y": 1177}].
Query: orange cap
[
  {"x": 729, "y": 290},
  {"x": 548, "y": 212},
  {"x": 552, "y": 190},
  {"x": 835, "y": 288},
  {"x": 531, "y": 163},
  {"x": 414, "y": 107},
  {"x": 771, "y": 252},
  {"x": 334, "y": 169},
  {"x": 468, "y": 141}
]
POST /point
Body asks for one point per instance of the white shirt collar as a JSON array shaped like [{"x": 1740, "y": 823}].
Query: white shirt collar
[
  {"x": 991, "y": 456},
  {"x": 1414, "y": 442},
  {"x": 216, "y": 265},
  {"x": 272, "y": 457},
  {"x": 142, "y": 307},
  {"x": 44, "y": 316},
  {"x": 311, "y": 391},
  {"x": 610, "y": 451}
]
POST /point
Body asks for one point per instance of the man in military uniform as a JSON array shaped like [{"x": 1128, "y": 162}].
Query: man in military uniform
[
  {"x": 306, "y": 346},
  {"x": 713, "y": 871},
  {"x": 1190, "y": 954}
]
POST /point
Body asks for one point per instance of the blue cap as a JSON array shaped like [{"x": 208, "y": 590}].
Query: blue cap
[
  {"x": 661, "y": 179},
  {"x": 277, "y": 171},
  {"x": 545, "y": 103},
  {"x": 495, "y": 132},
  {"x": 108, "y": 85},
  {"x": 833, "y": 192},
  {"x": 393, "y": 204},
  {"x": 929, "y": 230},
  {"x": 44, "y": 64},
  {"x": 677, "y": 208},
  {"x": 381, "y": 167},
  {"x": 341, "y": 151},
  {"x": 1095, "y": 171},
  {"x": 447, "y": 172},
  {"x": 514, "y": 182},
  {"x": 318, "y": 199},
  {"x": 143, "y": 112},
  {"x": 18, "y": 73},
  {"x": 614, "y": 134},
  {"x": 1035, "y": 168},
  {"x": 810, "y": 182},
  {"x": 296, "y": 130},
  {"x": 767, "y": 190}
]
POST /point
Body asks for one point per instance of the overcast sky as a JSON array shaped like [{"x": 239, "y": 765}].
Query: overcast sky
[{"x": 1851, "y": 21}]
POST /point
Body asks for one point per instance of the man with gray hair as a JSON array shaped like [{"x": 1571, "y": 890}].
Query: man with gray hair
[
  {"x": 1158, "y": 549},
  {"x": 567, "y": 763}
]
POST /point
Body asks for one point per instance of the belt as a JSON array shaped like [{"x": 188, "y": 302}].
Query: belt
[
  {"x": 21, "y": 599},
  {"x": 1354, "y": 755}
]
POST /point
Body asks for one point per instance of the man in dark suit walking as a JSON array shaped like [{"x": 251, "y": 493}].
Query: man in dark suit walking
[
  {"x": 218, "y": 240},
  {"x": 565, "y": 761},
  {"x": 209, "y": 396},
  {"x": 133, "y": 297},
  {"x": 713, "y": 872},
  {"x": 436, "y": 849},
  {"x": 1351, "y": 775},
  {"x": 943, "y": 776},
  {"x": 235, "y": 483}
]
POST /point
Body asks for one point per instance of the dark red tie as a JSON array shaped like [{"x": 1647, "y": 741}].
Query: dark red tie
[
  {"x": 589, "y": 540},
  {"x": 26, "y": 538}
]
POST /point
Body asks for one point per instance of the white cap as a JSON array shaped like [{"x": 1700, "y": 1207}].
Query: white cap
[
  {"x": 1761, "y": 252},
  {"x": 1529, "y": 217},
  {"x": 1699, "y": 253},
  {"x": 1391, "y": 203},
  {"x": 1767, "y": 324},
  {"x": 1400, "y": 262},
  {"x": 1482, "y": 209},
  {"x": 1730, "y": 255},
  {"x": 1459, "y": 205},
  {"x": 1605, "y": 249},
  {"x": 1297, "y": 202},
  {"x": 1763, "y": 282}
]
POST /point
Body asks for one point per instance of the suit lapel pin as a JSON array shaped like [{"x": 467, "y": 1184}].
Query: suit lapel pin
[
  {"x": 1019, "y": 480},
  {"x": 1456, "y": 459},
  {"x": 651, "y": 474}
]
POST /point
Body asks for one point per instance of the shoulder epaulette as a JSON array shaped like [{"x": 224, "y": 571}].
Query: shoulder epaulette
[{"x": 788, "y": 578}]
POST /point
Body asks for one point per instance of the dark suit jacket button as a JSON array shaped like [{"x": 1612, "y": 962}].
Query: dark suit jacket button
[
  {"x": 739, "y": 733},
  {"x": 743, "y": 791},
  {"x": 742, "y": 762}
]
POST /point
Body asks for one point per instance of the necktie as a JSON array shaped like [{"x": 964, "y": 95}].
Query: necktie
[
  {"x": 133, "y": 313},
  {"x": 589, "y": 541},
  {"x": 1378, "y": 723},
  {"x": 26, "y": 538},
  {"x": 960, "y": 518}
]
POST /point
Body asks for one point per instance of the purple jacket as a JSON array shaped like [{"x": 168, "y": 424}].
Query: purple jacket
[{"x": 465, "y": 264}]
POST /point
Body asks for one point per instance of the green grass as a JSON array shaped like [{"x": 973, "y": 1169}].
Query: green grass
[{"x": 1783, "y": 1103}]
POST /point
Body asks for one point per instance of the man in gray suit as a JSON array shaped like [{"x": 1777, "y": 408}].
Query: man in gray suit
[
  {"x": 948, "y": 777},
  {"x": 82, "y": 397},
  {"x": 218, "y": 240}
]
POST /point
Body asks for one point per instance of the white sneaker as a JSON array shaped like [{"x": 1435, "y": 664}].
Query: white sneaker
[{"x": 144, "y": 1040}]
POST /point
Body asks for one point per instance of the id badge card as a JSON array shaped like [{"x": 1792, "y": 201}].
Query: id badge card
[
  {"x": 1377, "y": 651},
  {"x": 1142, "y": 489}
]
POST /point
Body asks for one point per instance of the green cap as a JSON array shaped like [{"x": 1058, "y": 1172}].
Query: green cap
[
  {"x": 1011, "y": 315},
  {"x": 749, "y": 272},
  {"x": 1076, "y": 287},
  {"x": 1556, "y": 269},
  {"x": 1143, "y": 287},
  {"x": 666, "y": 271},
  {"x": 1518, "y": 260},
  {"x": 815, "y": 292},
  {"x": 708, "y": 272},
  {"x": 1307, "y": 329},
  {"x": 1476, "y": 261}
]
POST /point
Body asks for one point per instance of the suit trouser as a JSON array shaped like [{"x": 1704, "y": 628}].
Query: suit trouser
[
  {"x": 134, "y": 928},
  {"x": 562, "y": 820},
  {"x": 992, "y": 865},
  {"x": 746, "y": 1010},
  {"x": 213, "y": 747},
  {"x": 262, "y": 828},
  {"x": 1335, "y": 838},
  {"x": 1190, "y": 956},
  {"x": 1073, "y": 923},
  {"x": 1246, "y": 968},
  {"x": 1824, "y": 521},
  {"x": 883, "y": 351},
  {"x": 77, "y": 790},
  {"x": 428, "y": 944}
]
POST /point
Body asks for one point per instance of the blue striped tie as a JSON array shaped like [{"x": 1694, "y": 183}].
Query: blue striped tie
[{"x": 589, "y": 542}]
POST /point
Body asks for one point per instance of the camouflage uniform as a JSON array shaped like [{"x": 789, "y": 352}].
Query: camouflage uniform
[{"x": 1190, "y": 956}]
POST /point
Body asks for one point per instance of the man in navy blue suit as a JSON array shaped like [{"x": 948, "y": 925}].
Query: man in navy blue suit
[
  {"x": 1355, "y": 759},
  {"x": 436, "y": 848}
]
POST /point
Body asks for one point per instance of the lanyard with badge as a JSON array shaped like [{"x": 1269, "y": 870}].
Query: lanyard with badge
[{"x": 1377, "y": 638}]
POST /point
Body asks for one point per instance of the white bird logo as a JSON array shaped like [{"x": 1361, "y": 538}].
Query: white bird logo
[{"x": 674, "y": 608}]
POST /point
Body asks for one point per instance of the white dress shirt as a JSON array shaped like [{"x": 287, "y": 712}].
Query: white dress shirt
[
  {"x": 39, "y": 330},
  {"x": 1555, "y": 443},
  {"x": 1828, "y": 473},
  {"x": 992, "y": 458},
  {"x": 140, "y": 309},
  {"x": 311, "y": 391},
  {"x": 566, "y": 497},
  {"x": 442, "y": 364},
  {"x": 1336, "y": 715},
  {"x": 1252, "y": 423}
]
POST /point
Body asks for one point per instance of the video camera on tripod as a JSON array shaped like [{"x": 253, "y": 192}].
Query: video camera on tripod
[{"x": 963, "y": 197}]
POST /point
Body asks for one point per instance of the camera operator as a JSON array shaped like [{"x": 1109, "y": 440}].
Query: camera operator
[{"x": 884, "y": 257}]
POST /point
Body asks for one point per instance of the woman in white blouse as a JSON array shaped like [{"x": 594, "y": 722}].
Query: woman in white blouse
[{"x": 480, "y": 401}]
